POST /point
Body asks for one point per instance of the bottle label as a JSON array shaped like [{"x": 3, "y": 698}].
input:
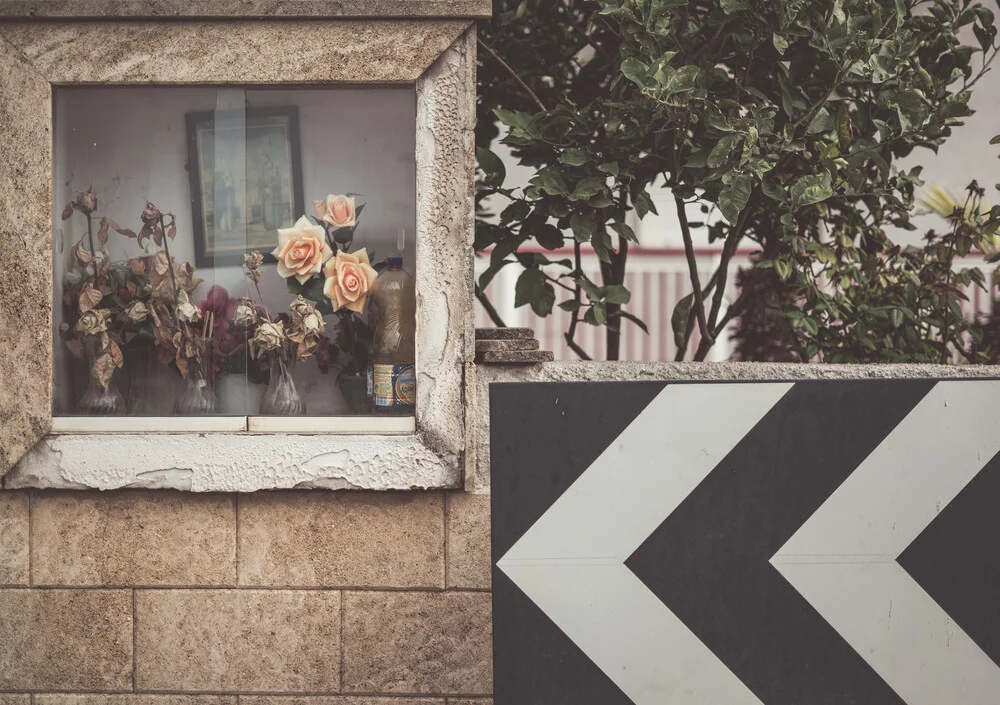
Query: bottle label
[{"x": 395, "y": 387}]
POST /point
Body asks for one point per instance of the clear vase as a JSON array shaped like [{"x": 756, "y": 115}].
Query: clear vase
[
  {"x": 99, "y": 399},
  {"x": 282, "y": 398},
  {"x": 197, "y": 396}
]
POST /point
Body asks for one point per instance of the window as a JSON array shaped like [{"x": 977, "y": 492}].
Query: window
[{"x": 225, "y": 258}]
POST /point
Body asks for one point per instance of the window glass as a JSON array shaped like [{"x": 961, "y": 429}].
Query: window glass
[{"x": 232, "y": 251}]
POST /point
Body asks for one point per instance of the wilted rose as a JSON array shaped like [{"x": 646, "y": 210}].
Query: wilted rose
[
  {"x": 150, "y": 214},
  {"x": 313, "y": 324},
  {"x": 301, "y": 250},
  {"x": 94, "y": 321},
  {"x": 337, "y": 211},
  {"x": 186, "y": 311},
  {"x": 86, "y": 202},
  {"x": 267, "y": 337},
  {"x": 349, "y": 279},
  {"x": 252, "y": 262},
  {"x": 245, "y": 314},
  {"x": 137, "y": 311}
]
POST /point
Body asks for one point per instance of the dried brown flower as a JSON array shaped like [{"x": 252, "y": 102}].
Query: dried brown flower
[
  {"x": 252, "y": 263},
  {"x": 245, "y": 314},
  {"x": 267, "y": 337},
  {"x": 137, "y": 311},
  {"x": 186, "y": 311},
  {"x": 94, "y": 321}
]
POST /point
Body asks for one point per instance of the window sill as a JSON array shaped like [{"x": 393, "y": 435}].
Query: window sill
[
  {"x": 335, "y": 425},
  {"x": 264, "y": 454}
]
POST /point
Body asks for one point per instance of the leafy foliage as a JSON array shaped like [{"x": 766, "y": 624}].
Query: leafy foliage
[{"x": 783, "y": 122}]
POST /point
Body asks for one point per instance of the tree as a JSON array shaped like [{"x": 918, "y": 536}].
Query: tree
[{"x": 782, "y": 121}]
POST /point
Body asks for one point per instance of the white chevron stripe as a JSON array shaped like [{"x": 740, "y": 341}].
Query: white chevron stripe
[
  {"x": 843, "y": 559},
  {"x": 571, "y": 561}
]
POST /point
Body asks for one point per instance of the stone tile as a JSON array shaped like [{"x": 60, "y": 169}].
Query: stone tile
[
  {"x": 238, "y": 640},
  {"x": 13, "y": 699},
  {"x": 468, "y": 554},
  {"x": 65, "y": 640},
  {"x": 475, "y": 701},
  {"x": 133, "y": 538},
  {"x": 63, "y": 699},
  {"x": 333, "y": 700},
  {"x": 304, "y": 539},
  {"x": 417, "y": 642},
  {"x": 13, "y": 538}
]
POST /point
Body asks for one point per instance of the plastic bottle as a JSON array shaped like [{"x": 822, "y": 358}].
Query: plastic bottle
[{"x": 392, "y": 374}]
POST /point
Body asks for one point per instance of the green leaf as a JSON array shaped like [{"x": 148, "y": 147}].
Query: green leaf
[
  {"x": 731, "y": 6},
  {"x": 574, "y": 156},
  {"x": 810, "y": 190},
  {"x": 609, "y": 168},
  {"x": 590, "y": 186},
  {"x": 548, "y": 236},
  {"x": 551, "y": 181},
  {"x": 722, "y": 149},
  {"x": 532, "y": 288},
  {"x": 821, "y": 123},
  {"x": 995, "y": 140},
  {"x": 617, "y": 294},
  {"x": 644, "y": 204},
  {"x": 682, "y": 80},
  {"x": 733, "y": 199},
  {"x": 638, "y": 321},
  {"x": 679, "y": 318},
  {"x": 637, "y": 72},
  {"x": 897, "y": 317},
  {"x": 780, "y": 43},
  {"x": 625, "y": 231},
  {"x": 583, "y": 226},
  {"x": 493, "y": 169},
  {"x": 811, "y": 326},
  {"x": 782, "y": 269}
]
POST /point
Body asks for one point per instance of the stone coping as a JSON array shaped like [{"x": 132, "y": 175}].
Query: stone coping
[
  {"x": 477, "y": 420},
  {"x": 248, "y": 9}
]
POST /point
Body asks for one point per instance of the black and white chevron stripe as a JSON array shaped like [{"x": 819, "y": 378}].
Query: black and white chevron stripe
[{"x": 821, "y": 542}]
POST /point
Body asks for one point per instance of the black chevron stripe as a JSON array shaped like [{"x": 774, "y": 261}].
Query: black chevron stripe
[
  {"x": 956, "y": 559},
  {"x": 708, "y": 562},
  {"x": 543, "y": 437}
]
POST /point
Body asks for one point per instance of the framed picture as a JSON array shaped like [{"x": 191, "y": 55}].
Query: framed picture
[{"x": 246, "y": 180}]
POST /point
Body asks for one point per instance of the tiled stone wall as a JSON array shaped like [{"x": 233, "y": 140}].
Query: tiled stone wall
[{"x": 295, "y": 598}]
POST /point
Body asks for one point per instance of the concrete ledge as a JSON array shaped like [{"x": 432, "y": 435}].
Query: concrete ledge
[
  {"x": 234, "y": 463},
  {"x": 480, "y": 377},
  {"x": 249, "y": 9}
]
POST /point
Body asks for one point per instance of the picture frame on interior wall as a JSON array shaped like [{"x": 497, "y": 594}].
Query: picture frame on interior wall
[{"x": 245, "y": 168}]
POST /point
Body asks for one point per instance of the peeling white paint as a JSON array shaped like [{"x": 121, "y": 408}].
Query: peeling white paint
[{"x": 233, "y": 463}]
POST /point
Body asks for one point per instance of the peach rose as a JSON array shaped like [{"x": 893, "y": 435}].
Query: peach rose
[
  {"x": 301, "y": 250},
  {"x": 349, "y": 279},
  {"x": 336, "y": 211}
]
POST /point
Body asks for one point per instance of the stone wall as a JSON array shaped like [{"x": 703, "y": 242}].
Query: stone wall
[{"x": 291, "y": 598}]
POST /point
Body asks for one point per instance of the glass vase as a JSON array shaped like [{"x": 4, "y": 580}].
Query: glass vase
[
  {"x": 282, "y": 398},
  {"x": 197, "y": 396},
  {"x": 100, "y": 399}
]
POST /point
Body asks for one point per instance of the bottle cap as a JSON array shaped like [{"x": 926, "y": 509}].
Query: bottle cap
[{"x": 394, "y": 261}]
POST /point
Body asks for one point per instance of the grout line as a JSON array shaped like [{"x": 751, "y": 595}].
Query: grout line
[
  {"x": 237, "y": 538},
  {"x": 447, "y": 511},
  {"x": 343, "y": 599},
  {"x": 31, "y": 541},
  {"x": 401, "y": 697},
  {"x": 135, "y": 630},
  {"x": 259, "y": 588}
]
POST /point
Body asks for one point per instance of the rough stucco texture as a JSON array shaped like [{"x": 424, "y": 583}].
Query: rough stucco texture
[
  {"x": 176, "y": 9},
  {"x": 353, "y": 51},
  {"x": 25, "y": 287}
]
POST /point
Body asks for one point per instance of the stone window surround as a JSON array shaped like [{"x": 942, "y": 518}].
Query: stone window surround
[{"x": 437, "y": 56}]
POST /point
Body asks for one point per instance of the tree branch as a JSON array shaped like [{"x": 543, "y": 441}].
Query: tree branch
[
  {"x": 699, "y": 300},
  {"x": 489, "y": 308},
  {"x": 513, "y": 73},
  {"x": 571, "y": 333}
]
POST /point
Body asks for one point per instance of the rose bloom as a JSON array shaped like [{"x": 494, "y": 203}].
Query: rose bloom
[
  {"x": 301, "y": 250},
  {"x": 267, "y": 337},
  {"x": 349, "y": 279},
  {"x": 245, "y": 314},
  {"x": 87, "y": 202},
  {"x": 137, "y": 311},
  {"x": 336, "y": 211},
  {"x": 94, "y": 321},
  {"x": 187, "y": 311}
]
